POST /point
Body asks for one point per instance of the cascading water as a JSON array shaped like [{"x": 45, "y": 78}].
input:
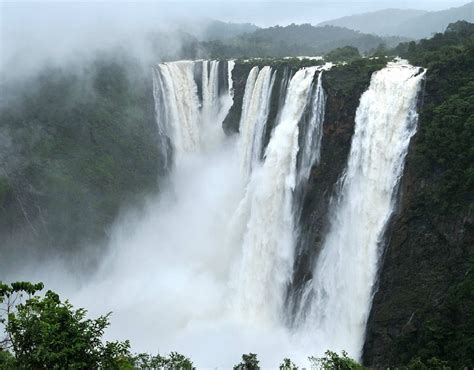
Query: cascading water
[
  {"x": 189, "y": 121},
  {"x": 175, "y": 81},
  {"x": 214, "y": 296},
  {"x": 255, "y": 108},
  {"x": 267, "y": 250},
  {"x": 312, "y": 133},
  {"x": 345, "y": 272}
]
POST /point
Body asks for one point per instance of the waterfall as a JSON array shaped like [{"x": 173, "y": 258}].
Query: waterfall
[
  {"x": 216, "y": 249},
  {"x": 256, "y": 103},
  {"x": 267, "y": 249},
  {"x": 345, "y": 272},
  {"x": 190, "y": 103},
  {"x": 312, "y": 133}
]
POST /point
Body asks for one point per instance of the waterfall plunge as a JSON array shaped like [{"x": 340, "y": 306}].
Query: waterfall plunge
[
  {"x": 191, "y": 122},
  {"x": 180, "y": 284},
  {"x": 255, "y": 109},
  {"x": 267, "y": 249},
  {"x": 345, "y": 272}
]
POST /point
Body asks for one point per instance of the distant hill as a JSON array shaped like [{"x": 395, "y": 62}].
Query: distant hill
[
  {"x": 433, "y": 22},
  {"x": 381, "y": 22},
  {"x": 405, "y": 22},
  {"x": 217, "y": 30},
  {"x": 210, "y": 29},
  {"x": 294, "y": 40}
]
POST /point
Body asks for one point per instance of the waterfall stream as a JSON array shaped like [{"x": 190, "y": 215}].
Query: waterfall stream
[
  {"x": 207, "y": 269},
  {"x": 345, "y": 272}
]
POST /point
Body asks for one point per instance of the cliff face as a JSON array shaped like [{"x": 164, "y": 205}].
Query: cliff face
[
  {"x": 343, "y": 86},
  {"x": 426, "y": 257},
  {"x": 424, "y": 305}
]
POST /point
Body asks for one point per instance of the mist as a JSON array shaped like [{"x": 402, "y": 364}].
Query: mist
[
  {"x": 34, "y": 34},
  {"x": 168, "y": 262}
]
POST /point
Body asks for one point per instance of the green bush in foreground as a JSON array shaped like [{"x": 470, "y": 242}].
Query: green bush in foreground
[
  {"x": 42, "y": 332},
  {"x": 46, "y": 333}
]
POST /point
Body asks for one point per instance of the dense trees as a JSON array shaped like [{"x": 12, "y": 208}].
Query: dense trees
[
  {"x": 78, "y": 143},
  {"x": 432, "y": 250},
  {"x": 345, "y": 54},
  {"x": 293, "y": 39},
  {"x": 43, "y": 332}
]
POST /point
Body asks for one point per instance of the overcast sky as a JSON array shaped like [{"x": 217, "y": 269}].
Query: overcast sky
[
  {"x": 56, "y": 28},
  {"x": 261, "y": 12}
]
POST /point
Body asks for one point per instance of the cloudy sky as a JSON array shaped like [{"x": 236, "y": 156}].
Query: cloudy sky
[
  {"x": 261, "y": 12},
  {"x": 55, "y": 28}
]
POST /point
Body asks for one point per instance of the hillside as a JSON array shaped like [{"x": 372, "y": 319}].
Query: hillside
[
  {"x": 293, "y": 40},
  {"x": 405, "y": 22},
  {"x": 432, "y": 22},
  {"x": 209, "y": 30},
  {"x": 380, "y": 22},
  {"x": 76, "y": 145},
  {"x": 424, "y": 306}
]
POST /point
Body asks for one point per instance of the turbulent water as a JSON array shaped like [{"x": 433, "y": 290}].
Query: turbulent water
[
  {"x": 207, "y": 267},
  {"x": 267, "y": 247},
  {"x": 255, "y": 109},
  {"x": 345, "y": 272},
  {"x": 191, "y": 121}
]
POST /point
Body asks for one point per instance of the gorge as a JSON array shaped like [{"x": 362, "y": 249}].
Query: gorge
[
  {"x": 276, "y": 206},
  {"x": 230, "y": 271}
]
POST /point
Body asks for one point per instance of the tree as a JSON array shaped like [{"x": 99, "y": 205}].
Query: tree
[
  {"x": 344, "y": 54},
  {"x": 249, "y": 362},
  {"x": 173, "y": 361},
  {"x": 332, "y": 361},
  {"x": 287, "y": 364},
  {"x": 45, "y": 333}
]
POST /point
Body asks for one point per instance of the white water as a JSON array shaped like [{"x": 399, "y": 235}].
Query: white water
[
  {"x": 255, "y": 109},
  {"x": 311, "y": 150},
  {"x": 190, "y": 124},
  {"x": 267, "y": 249},
  {"x": 176, "y": 281},
  {"x": 345, "y": 273}
]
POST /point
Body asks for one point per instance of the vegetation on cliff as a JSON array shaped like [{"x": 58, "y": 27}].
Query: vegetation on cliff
[
  {"x": 293, "y": 39},
  {"x": 76, "y": 144},
  {"x": 425, "y": 304},
  {"x": 445, "y": 158}
]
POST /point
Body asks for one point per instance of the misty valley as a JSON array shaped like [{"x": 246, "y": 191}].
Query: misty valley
[{"x": 195, "y": 193}]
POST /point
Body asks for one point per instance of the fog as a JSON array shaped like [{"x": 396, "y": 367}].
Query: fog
[{"x": 36, "y": 32}]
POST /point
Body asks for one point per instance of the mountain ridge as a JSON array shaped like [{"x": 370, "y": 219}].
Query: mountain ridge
[{"x": 409, "y": 23}]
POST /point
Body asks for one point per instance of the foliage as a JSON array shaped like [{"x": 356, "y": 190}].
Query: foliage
[
  {"x": 350, "y": 80},
  {"x": 287, "y": 364},
  {"x": 445, "y": 151},
  {"x": 292, "y": 40},
  {"x": 443, "y": 159},
  {"x": 345, "y": 54},
  {"x": 332, "y": 361},
  {"x": 432, "y": 363},
  {"x": 249, "y": 362},
  {"x": 46, "y": 333},
  {"x": 86, "y": 144},
  {"x": 446, "y": 335},
  {"x": 173, "y": 361},
  {"x": 43, "y": 332}
]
